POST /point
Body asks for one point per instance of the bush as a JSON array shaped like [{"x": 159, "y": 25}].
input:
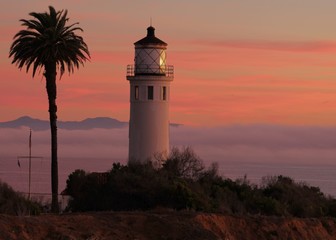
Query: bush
[
  {"x": 13, "y": 203},
  {"x": 183, "y": 164},
  {"x": 135, "y": 187},
  {"x": 297, "y": 199}
]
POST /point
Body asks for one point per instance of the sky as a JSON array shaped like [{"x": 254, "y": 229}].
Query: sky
[
  {"x": 236, "y": 62},
  {"x": 255, "y": 81}
]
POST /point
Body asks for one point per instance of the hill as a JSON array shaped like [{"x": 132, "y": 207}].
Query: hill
[
  {"x": 164, "y": 225},
  {"x": 86, "y": 124},
  {"x": 89, "y": 123}
]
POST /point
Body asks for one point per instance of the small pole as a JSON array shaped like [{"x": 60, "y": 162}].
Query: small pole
[
  {"x": 30, "y": 157},
  {"x": 30, "y": 146}
]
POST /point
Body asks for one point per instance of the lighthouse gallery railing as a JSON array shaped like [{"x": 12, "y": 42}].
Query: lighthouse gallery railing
[{"x": 165, "y": 70}]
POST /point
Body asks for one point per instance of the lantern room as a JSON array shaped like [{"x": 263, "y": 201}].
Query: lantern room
[{"x": 150, "y": 55}]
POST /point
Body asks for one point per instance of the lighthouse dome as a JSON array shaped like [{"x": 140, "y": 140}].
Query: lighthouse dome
[{"x": 150, "y": 39}]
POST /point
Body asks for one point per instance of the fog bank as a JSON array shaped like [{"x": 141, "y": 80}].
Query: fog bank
[{"x": 250, "y": 143}]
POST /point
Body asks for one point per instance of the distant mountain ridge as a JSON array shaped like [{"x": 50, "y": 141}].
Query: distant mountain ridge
[{"x": 86, "y": 124}]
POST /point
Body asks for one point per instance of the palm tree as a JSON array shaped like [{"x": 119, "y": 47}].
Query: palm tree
[{"x": 48, "y": 44}]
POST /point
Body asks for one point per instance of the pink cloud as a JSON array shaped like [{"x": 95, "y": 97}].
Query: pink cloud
[
  {"x": 254, "y": 99},
  {"x": 113, "y": 57},
  {"x": 291, "y": 46}
]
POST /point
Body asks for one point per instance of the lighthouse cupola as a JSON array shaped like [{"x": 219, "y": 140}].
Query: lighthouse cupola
[{"x": 149, "y": 79}]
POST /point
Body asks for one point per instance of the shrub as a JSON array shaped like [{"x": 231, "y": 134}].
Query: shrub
[
  {"x": 14, "y": 203},
  {"x": 183, "y": 164},
  {"x": 297, "y": 199}
]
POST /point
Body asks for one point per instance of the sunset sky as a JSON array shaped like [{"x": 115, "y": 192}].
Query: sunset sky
[
  {"x": 236, "y": 62},
  {"x": 255, "y": 81}
]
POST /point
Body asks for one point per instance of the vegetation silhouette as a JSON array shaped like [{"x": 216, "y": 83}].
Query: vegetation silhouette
[
  {"x": 48, "y": 43},
  {"x": 14, "y": 203},
  {"x": 184, "y": 183}
]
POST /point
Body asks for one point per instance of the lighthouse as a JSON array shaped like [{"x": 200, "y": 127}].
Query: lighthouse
[{"x": 149, "y": 79}]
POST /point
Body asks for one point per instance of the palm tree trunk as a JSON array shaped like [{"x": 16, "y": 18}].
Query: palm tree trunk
[{"x": 50, "y": 74}]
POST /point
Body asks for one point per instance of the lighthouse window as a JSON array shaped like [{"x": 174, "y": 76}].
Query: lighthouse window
[
  {"x": 164, "y": 93},
  {"x": 150, "y": 92},
  {"x": 136, "y": 92}
]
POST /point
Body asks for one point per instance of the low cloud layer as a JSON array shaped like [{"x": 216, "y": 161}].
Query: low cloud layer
[
  {"x": 304, "y": 153},
  {"x": 261, "y": 143},
  {"x": 254, "y": 143}
]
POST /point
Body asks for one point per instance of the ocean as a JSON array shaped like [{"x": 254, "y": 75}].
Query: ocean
[{"x": 322, "y": 176}]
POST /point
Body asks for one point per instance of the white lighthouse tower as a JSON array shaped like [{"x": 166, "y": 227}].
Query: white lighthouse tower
[{"x": 149, "y": 78}]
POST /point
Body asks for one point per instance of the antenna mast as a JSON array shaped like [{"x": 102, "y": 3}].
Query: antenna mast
[
  {"x": 30, "y": 145},
  {"x": 29, "y": 158}
]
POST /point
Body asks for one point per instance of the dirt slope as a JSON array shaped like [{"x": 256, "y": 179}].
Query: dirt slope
[{"x": 164, "y": 225}]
